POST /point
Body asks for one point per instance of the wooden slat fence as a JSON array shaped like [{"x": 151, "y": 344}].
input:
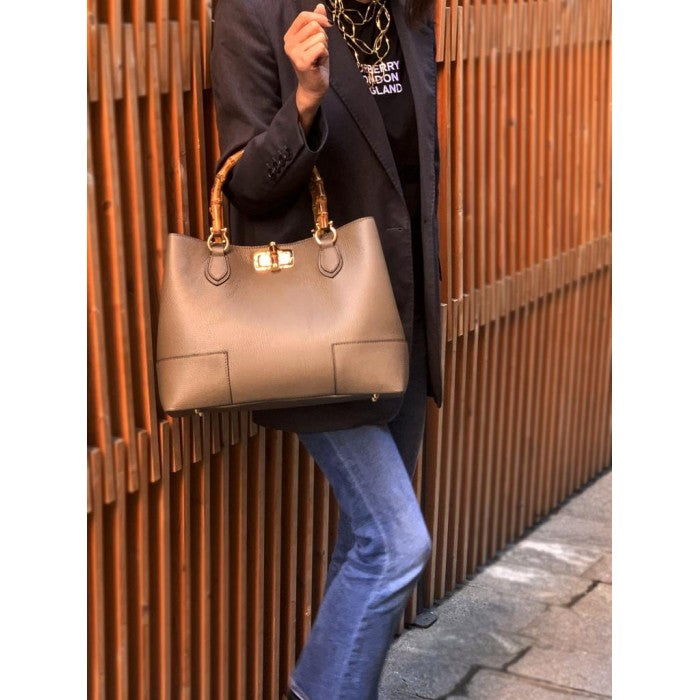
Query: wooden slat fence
[{"x": 208, "y": 538}]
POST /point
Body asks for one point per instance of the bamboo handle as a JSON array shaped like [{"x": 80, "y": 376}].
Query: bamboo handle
[{"x": 319, "y": 202}]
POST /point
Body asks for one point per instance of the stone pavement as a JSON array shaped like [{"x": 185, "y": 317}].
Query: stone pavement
[{"x": 534, "y": 624}]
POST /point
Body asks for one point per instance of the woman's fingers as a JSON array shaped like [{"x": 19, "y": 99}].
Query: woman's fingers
[
  {"x": 309, "y": 29},
  {"x": 312, "y": 41},
  {"x": 316, "y": 55},
  {"x": 300, "y": 53},
  {"x": 311, "y": 57},
  {"x": 306, "y": 45},
  {"x": 303, "y": 18}
]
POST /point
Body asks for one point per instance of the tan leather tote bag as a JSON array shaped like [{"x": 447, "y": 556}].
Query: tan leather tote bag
[{"x": 255, "y": 327}]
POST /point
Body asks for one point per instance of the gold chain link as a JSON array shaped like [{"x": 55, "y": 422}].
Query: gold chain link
[{"x": 349, "y": 21}]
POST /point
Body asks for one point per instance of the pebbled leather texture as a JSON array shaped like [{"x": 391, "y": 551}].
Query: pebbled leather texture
[{"x": 239, "y": 337}]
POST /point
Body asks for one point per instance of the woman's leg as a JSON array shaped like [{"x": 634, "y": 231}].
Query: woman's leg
[
  {"x": 346, "y": 648},
  {"x": 407, "y": 428},
  {"x": 409, "y": 424}
]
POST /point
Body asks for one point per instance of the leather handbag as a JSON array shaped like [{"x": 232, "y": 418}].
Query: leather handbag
[{"x": 255, "y": 327}]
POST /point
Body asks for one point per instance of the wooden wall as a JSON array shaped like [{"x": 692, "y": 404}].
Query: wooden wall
[{"x": 208, "y": 539}]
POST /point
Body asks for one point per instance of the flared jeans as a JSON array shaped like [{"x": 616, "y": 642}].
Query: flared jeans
[{"x": 381, "y": 549}]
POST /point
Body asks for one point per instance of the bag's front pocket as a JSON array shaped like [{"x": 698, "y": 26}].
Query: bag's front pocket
[
  {"x": 371, "y": 366},
  {"x": 186, "y": 382}
]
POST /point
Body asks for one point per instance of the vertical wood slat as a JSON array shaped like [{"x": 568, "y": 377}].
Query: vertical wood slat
[
  {"x": 570, "y": 302},
  {"x": 445, "y": 128},
  {"x": 305, "y": 547},
  {"x": 508, "y": 173},
  {"x": 544, "y": 308},
  {"x": 111, "y": 252},
  {"x": 523, "y": 262},
  {"x": 445, "y": 214},
  {"x": 221, "y": 564},
  {"x": 255, "y": 602},
  {"x": 181, "y": 523},
  {"x": 491, "y": 253},
  {"x": 194, "y": 132},
  {"x": 501, "y": 270},
  {"x": 586, "y": 436},
  {"x": 114, "y": 15},
  {"x": 289, "y": 553},
  {"x": 137, "y": 266},
  {"x": 208, "y": 539},
  {"x": 160, "y": 10},
  {"x": 203, "y": 17},
  {"x": 140, "y": 31},
  {"x": 138, "y": 565},
  {"x": 118, "y": 639},
  {"x": 183, "y": 10},
  {"x": 478, "y": 117},
  {"x": 459, "y": 343},
  {"x": 92, "y": 49},
  {"x": 96, "y": 603},
  {"x": 239, "y": 594},
  {"x": 161, "y": 568},
  {"x": 589, "y": 201},
  {"x": 99, "y": 427},
  {"x": 546, "y": 171},
  {"x": 202, "y": 569},
  {"x": 552, "y": 308},
  {"x": 273, "y": 571}
]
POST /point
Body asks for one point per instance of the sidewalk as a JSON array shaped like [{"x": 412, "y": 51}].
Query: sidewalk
[{"x": 533, "y": 625}]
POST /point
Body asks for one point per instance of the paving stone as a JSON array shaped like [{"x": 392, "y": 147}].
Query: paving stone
[
  {"x": 529, "y": 582},
  {"x": 601, "y": 570},
  {"x": 579, "y": 670},
  {"x": 484, "y": 607},
  {"x": 595, "y": 608},
  {"x": 396, "y": 695},
  {"x": 594, "y": 502},
  {"x": 568, "y": 529},
  {"x": 496, "y": 685},
  {"x": 430, "y": 666},
  {"x": 555, "y": 557},
  {"x": 585, "y": 626}
]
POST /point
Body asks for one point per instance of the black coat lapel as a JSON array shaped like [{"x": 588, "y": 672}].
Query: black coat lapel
[
  {"x": 417, "y": 48},
  {"x": 351, "y": 87}
]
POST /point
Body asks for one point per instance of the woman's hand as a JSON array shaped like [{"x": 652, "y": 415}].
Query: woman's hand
[{"x": 306, "y": 46}]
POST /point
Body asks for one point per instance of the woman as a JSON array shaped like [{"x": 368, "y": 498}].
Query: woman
[{"x": 349, "y": 86}]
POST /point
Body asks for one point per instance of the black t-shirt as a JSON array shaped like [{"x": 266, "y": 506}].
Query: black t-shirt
[{"x": 393, "y": 95}]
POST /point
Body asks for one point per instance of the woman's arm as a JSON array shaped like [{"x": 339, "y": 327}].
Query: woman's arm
[{"x": 282, "y": 139}]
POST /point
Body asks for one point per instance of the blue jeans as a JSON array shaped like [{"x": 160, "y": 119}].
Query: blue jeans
[{"x": 381, "y": 549}]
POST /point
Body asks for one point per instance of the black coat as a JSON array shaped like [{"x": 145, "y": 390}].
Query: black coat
[{"x": 254, "y": 88}]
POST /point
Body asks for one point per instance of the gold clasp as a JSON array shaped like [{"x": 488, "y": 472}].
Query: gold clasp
[{"x": 274, "y": 258}]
